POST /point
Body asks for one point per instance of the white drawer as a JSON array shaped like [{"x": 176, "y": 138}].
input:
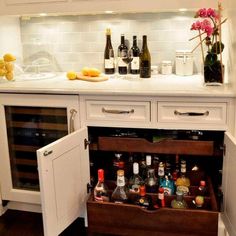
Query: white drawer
[
  {"x": 185, "y": 113},
  {"x": 123, "y": 111}
]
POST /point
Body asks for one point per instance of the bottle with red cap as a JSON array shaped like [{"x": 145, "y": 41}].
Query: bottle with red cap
[
  {"x": 101, "y": 190},
  {"x": 143, "y": 200},
  {"x": 202, "y": 188}
]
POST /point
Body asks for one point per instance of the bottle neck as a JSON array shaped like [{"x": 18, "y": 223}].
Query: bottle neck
[
  {"x": 122, "y": 39},
  {"x": 134, "y": 41},
  {"x": 144, "y": 41},
  {"x": 108, "y": 41}
]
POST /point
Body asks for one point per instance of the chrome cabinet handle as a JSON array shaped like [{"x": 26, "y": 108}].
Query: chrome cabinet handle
[
  {"x": 117, "y": 111},
  {"x": 177, "y": 113},
  {"x": 73, "y": 112},
  {"x": 46, "y": 153}
]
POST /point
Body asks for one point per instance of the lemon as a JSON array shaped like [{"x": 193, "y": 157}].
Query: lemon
[
  {"x": 2, "y": 63},
  {"x": 85, "y": 71},
  {"x": 9, "y": 57},
  {"x": 3, "y": 72},
  {"x": 9, "y": 66},
  {"x": 71, "y": 75},
  {"x": 9, "y": 76},
  {"x": 94, "y": 72}
]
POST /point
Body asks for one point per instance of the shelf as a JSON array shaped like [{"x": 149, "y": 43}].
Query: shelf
[{"x": 166, "y": 146}]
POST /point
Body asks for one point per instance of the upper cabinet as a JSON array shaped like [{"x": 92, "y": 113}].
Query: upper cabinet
[{"x": 20, "y": 7}]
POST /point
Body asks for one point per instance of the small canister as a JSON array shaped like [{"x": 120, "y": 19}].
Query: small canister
[
  {"x": 184, "y": 62},
  {"x": 166, "y": 67}
]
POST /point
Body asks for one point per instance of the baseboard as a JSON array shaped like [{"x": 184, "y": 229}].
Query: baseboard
[{"x": 24, "y": 206}]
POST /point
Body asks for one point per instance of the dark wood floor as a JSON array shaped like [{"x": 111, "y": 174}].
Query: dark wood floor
[{"x": 20, "y": 223}]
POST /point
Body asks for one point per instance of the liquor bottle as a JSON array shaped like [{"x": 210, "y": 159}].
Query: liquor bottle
[
  {"x": 101, "y": 190},
  {"x": 145, "y": 60},
  {"x": 117, "y": 164},
  {"x": 148, "y": 162},
  {"x": 135, "y": 181},
  {"x": 183, "y": 182},
  {"x": 122, "y": 57},
  {"x": 151, "y": 182},
  {"x": 143, "y": 169},
  {"x": 109, "y": 64},
  {"x": 168, "y": 185},
  {"x": 161, "y": 172},
  {"x": 156, "y": 162},
  {"x": 120, "y": 194},
  {"x": 179, "y": 202},
  {"x": 161, "y": 198},
  {"x": 143, "y": 200},
  {"x": 134, "y": 55},
  {"x": 202, "y": 190}
]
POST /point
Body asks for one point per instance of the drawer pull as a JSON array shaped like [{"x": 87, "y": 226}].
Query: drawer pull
[
  {"x": 117, "y": 111},
  {"x": 72, "y": 120},
  {"x": 177, "y": 113}
]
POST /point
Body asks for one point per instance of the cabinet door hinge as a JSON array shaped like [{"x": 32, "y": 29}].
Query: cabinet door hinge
[
  {"x": 89, "y": 187},
  {"x": 223, "y": 148},
  {"x": 86, "y": 143}
]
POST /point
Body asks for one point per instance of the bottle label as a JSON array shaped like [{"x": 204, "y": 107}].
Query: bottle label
[
  {"x": 161, "y": 196},
  {"x": 145, "y": 69},
  {"x": 161, "y": 171},
  {"x": 167, "y": 191},
  {"x": 135, "y": 63},
  {"x": 121, "y": 63},
  {"x": 109, "y": 63},
  {"x": 120, "y": 181},
  {"x": 183, "y": 189}
]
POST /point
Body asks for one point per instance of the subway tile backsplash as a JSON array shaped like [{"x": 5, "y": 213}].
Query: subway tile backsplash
[{"x": 63, "y": 43}]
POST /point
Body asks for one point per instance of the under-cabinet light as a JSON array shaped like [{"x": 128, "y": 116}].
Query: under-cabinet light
[
  {"x": 183, "y": 9},
  {"x": 109, "y": 12},
  {"x": 43, "y": 14}
]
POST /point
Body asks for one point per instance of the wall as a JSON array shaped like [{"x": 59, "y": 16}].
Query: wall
[
  {"x": 72, "y": 42},
  {"x": 10, "y": 37}
]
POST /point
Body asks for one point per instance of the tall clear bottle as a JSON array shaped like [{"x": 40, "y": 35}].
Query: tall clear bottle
[
  {"x": 134, "y": 55},
  {"x": 109, "y": 63},
  {"x": 122, "y": 57},
  {"x": 135, "y": 180},
  {"x": 101, "y": 190},
  {"x": 120, "y": 194},
  {"x": 145, "y": 60}
]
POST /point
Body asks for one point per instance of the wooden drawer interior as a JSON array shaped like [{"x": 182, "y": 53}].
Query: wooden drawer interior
[
  {"x": 167, "y": 146},
  {"x": 129, "y": 219}
]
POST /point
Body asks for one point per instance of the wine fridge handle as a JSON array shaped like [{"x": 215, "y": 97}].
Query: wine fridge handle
[
  {"x": 177, "y": 113},
  {"x": 73, "y": 112},
  {"x": 117, "y": 111}
]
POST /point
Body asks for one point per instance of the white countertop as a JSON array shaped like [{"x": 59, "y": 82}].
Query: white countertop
[{"x": 159, "y": 85}]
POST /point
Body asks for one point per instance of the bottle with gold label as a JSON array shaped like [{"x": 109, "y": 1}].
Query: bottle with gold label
[{"x": 183, "y": 182}]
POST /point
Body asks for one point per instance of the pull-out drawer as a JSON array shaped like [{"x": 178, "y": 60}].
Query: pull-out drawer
[
  {"x": 127, "y": 219},
  {"x": 192, "y": 115},
  {"x": 117, "y": 112}
]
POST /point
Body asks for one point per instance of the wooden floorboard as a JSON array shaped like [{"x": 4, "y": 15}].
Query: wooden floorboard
[{"x": 21, "y": 223}]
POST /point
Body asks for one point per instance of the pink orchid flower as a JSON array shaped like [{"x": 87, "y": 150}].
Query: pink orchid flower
[
  {"x": 196, "y": 26},
  {"x": 202, "y": 12}
]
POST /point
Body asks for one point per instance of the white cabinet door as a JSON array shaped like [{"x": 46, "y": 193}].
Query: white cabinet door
[
  {"x": 64, "y": 173},
  {"x": 229, "y": 184}
]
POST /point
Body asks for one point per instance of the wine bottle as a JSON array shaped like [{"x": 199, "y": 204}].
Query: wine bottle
[
  {"x": 122, "y": 57},
  {"x": 134, "y": 55},
  {"x": 145, "y": 60},
  {"x": 109, "y": 65}
]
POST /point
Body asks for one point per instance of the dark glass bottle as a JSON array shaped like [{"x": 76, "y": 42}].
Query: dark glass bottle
[
  {"x": 109, "y": 65},
  {"x": 122, "y": 57},
  {"x": 143, "y": 200},
  {"x": 151, "y": 182},
  {"x": 101, "y": 190},
  {"x": 134, "y": 55},
  {"x": 145, "y": 60}
]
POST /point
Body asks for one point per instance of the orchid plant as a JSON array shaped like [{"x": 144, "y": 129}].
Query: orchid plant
[{"x": 209, "y": 32}]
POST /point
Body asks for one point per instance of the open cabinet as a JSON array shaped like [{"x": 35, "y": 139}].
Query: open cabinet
[{"x": 64, "y": 175}]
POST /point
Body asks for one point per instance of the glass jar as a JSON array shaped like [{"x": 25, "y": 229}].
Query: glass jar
[
  {"x": 166, "y": 67},
  {"x": 183, "y": 62}
]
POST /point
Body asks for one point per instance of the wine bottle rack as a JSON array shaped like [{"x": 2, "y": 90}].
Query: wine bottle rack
[{"x": 28, "y": 129}]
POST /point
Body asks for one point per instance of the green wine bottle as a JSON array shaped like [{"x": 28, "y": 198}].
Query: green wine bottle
[{"x": 145, "y": 60}]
